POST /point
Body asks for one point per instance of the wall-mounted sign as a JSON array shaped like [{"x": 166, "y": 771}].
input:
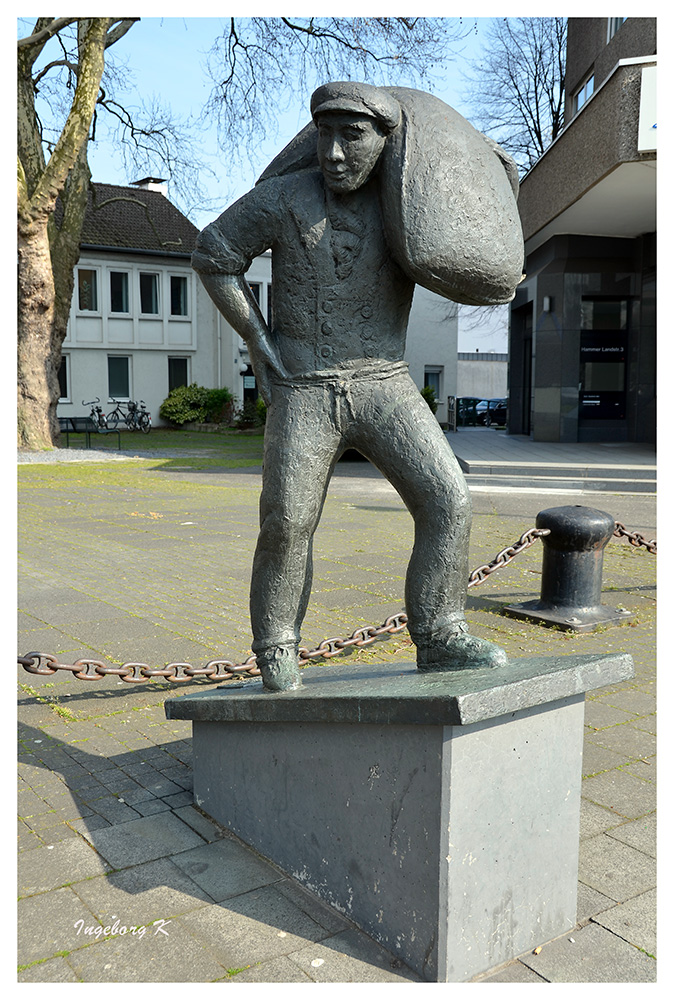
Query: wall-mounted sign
[
  {"x": 648, "y": 125},
  {"x": 602, "y": 406},
  {"x": 603, "y": 345}
]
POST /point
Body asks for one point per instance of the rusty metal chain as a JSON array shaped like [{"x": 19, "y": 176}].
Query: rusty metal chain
[
  {"x": 507, "y": 555},
  {"x": 85, "y": 669},
  {"x": 635, "y": 538},
  {"x": 45, "y": 664}
]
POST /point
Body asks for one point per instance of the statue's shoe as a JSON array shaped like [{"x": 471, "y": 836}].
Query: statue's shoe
[
  {"x": 460, "y": 652},
  {"x": 279, "y": 666}
]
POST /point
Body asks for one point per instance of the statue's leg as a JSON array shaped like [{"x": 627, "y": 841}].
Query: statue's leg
[
  {"x": 301, "y": 448},
  {"x": 408, "y": 445}
]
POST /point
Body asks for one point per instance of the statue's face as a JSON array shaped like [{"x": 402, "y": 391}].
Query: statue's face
[{"x": 349, "y": 146}]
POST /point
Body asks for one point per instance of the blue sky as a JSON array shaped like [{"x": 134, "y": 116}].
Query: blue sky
[{"x": 166, "y": 56}]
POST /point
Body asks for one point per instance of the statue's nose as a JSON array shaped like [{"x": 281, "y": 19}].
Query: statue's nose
[{"x": 335, "y": 152}]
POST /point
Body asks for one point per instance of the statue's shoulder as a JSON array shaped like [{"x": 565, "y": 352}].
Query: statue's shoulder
[{"x": 291, "y": 187}]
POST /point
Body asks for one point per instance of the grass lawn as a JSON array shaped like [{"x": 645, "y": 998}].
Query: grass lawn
[{"x": 228, "y": 449}]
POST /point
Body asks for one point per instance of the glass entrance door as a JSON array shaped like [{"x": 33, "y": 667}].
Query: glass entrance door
[{"x": 603, "y": 361}]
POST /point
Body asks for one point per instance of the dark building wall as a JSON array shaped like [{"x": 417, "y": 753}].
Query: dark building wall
[
  {"x": 546, "y": 364},
  {"x": 604, "y": 135},
  {"x": 520, "y": 360},
  {"x": 642, "y": 372},
  {"x": 587, "y": 50},
  {"x": 545, "y": 344}
]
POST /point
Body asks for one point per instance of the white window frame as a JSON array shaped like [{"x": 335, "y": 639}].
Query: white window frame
[
  {"x": 88, "y": 312},
  {"x": 128, "y": 357},
  {"x": 186, "y": 317},
  {"x": 438, "y": 370},
  {"x": 180, "y": 357},
  {"x": 157, "y": 275},
  {"x": 589, "y": 79},
  {"x": 129, "y": 277},
  {"x": 263, "y": 297}
]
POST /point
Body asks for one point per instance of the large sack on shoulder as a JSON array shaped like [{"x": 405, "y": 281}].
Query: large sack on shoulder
[
  {"x": 449, "y": 200},
  {"x": 449, "y": 204}
]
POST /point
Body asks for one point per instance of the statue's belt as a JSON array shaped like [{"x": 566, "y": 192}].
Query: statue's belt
[{"x": 338, "y": 377}]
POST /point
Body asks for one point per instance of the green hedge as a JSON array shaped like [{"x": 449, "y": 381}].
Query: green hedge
[
  {"x": 196, "y": 404},
  {"x": 253, "y": 413}
]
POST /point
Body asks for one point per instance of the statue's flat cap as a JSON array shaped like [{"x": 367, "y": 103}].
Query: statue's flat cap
[{"x": 358, "y": 98}]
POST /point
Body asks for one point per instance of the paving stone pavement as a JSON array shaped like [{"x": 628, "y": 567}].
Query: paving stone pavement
[{"x": 121, "y": 878}]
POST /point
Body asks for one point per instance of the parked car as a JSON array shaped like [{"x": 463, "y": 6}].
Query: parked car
[
  {"x": 466, "y": 415},
  {"x": 492, "y": 412}
]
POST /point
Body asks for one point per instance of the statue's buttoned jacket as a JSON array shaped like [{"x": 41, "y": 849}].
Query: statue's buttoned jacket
[{"x": 338, "y": 295}]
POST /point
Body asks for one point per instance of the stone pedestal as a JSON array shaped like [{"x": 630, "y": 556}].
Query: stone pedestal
[{"x": 440, "y": 812}]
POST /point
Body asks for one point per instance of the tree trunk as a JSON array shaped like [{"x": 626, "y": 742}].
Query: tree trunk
[
  {"x": 38, "y": 388},
  {"x": 64, "y": 242},
  {"x": 44, "y": 293},
  {"x": 46, "y": 282}
]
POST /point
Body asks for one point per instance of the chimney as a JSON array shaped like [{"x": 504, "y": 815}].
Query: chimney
[{"x": 152, "y": 184}]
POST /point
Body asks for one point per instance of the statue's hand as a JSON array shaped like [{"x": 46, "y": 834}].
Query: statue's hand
[
  {"x": 266, "y": 365},
  {"x": 263, "y": 384}
]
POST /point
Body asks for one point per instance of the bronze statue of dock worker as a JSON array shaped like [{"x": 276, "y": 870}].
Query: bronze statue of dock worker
[{"x": 331, "y": 369}]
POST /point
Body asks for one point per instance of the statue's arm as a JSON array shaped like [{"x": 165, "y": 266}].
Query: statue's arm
[{"x": 223, "y": 254}]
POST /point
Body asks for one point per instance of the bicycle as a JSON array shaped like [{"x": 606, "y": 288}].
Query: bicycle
[
  {"x": 144, "y": 419},
  {"x": 97, "y": 416},
  {"x": 138, "y": 417},
  {"x": 117, "y": 414}
]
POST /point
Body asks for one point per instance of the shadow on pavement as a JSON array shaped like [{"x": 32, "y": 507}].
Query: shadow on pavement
[{"x": 161, "y": 867}]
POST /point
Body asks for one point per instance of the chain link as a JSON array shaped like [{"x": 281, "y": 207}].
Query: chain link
[
  {"x": 45, "y": 664},
  {"x": 506, "y": 555},
  {"x": 635, "y": 538}
]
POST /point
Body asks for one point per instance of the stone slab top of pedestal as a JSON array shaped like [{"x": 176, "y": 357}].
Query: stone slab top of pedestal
[{"x": 385, "y": 693}]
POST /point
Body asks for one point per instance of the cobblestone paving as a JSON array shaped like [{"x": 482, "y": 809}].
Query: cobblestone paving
[{"x": 121, "y": 878}]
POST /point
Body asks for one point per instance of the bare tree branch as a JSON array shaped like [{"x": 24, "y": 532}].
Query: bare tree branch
[
  {"x": 43, "y": 32},
  {"x": 119, "y": 29},
  {"x": 258, "y": 65},
  {"x": 52, "y": 65},
  {"x": 517, "y": 85},
  {"x": 76, "y": 128}
]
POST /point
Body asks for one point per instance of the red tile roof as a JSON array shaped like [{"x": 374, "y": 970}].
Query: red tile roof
[{"x": 130, "y": 218}]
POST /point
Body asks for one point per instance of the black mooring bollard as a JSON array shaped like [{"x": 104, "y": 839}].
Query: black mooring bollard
[{"x": 573, "y": 558}]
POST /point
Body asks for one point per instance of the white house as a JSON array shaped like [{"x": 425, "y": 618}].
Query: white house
[{"x": 141, "y": 322}]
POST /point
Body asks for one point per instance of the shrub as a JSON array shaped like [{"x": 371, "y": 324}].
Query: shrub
[
  {"x": 219, "y": 406},
  {"x": 428, "y": 392},
  {"x": 195, "y": 404},
  {"x": 253, "y": 413}
]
